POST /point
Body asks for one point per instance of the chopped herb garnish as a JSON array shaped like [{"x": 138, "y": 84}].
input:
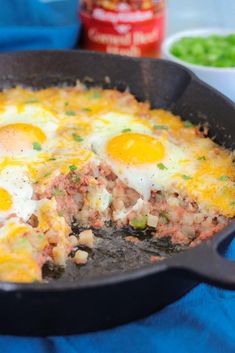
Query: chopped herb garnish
[
  {"x": 223, "y": 178},
  {"x": 139, "y": 223},
  {"x": 188, "y": 124},
  {"x": 66, "y": 104},
  {"x": 164, "y": 217},
  {"x": 96, "y": 95},
  {"x": 73, "y": 167},
  {"x": 86, "y": 110},
  {"x": 76, "y": 178},
  {"x": 186, "y": 177},
  {"x": 46, "y": 175},
  {"x": 70, "y": 113},
  {"x": 161, "y": 166},
  {"x": 232, "y": 203},
  {"x": 60, "y": 213},
  {"x": 202, "y": 158},
  {"x": 37, "y": 146},
  {"x": 126, "y": 130},
  {"x": 22, "y": 242},
  {"x": 57, "y": 192},
  {"x": 160, "y": 127},
  {"x": 77, "y": 138},
  {"x": 52, "y": 159},
  {"x": 31, "y": 100}
]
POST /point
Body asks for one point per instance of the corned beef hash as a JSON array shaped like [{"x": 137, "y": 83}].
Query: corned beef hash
[{"x": 101, "y": 158}]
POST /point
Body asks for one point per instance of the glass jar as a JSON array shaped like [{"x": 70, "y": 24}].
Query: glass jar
[{"x": 127, "y": 27}]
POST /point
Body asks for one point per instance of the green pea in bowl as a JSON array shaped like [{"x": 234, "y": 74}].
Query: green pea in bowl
[{"x": 209, "y": 53}]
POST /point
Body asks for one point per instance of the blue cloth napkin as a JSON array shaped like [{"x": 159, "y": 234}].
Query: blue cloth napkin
[
  {"x": 202, "y": 321},
  {"x": 38, "y": 24}
]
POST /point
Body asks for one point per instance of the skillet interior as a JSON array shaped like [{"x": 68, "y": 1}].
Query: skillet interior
[
  {"x": 114, "y": 254},
  {"x": 165, "y": 85}
]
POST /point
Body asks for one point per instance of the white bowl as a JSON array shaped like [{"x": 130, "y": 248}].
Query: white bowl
[{"x": 223, "y": 79}]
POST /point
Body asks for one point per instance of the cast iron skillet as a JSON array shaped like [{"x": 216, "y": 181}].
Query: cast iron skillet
[{"x": 117, "y": 286}]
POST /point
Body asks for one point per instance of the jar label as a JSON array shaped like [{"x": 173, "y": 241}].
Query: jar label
[{"x": 125, "y": 32}]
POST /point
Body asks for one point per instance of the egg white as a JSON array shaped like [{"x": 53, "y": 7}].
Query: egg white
[
  {"x": 16, "y": 182},
  {"x": 111, "y": 124},
  {"x": 30, "y": 114},
  {"x": 33, "y": 115}
]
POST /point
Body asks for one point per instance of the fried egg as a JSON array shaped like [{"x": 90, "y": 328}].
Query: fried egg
[
  {"x": 139, "y": 158},
  {"x": 26, "y": 131},
  {"x": 16, "y": 193}
]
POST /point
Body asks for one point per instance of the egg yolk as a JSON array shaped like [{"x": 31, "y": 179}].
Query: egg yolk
[
  {"x": 5, "y": 200},
  {"x": 135, "y": 149},
  {"x": 19, "y": 137}
]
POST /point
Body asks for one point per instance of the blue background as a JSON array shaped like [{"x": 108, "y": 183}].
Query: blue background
[
  {"x": 38, "y": 24},
  {"x": 204, "y": 319}
]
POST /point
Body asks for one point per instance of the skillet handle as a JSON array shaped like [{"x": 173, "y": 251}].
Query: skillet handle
[{"x": 205, "y": 262}]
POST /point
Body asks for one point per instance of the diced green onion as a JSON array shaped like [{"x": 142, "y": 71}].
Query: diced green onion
[
  {"x": 57, "y": 192},
  {"x": 160, "y": 127},
  {"x": 224, "y": 178},
  {"x": 76, "y": 178},
  {"x": 86, "y": 109},
  {"x": 77, "y": 138},
  {"x": 139, "y": 223},
  {"x": 186, "y": 177},
  {"x": 96, "y": 95},
  {"x": 164, "y": 217},
  {"x": 31, "y": 101},
  {"x": 37, "y": 146},
  {"x": 70, "y": 113},
  {"x": 211, "y": 51},
  {"x": 161, "y": 166},
  {"x": 73, "y": 168},
  {"x": 188, "y": 124}
]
